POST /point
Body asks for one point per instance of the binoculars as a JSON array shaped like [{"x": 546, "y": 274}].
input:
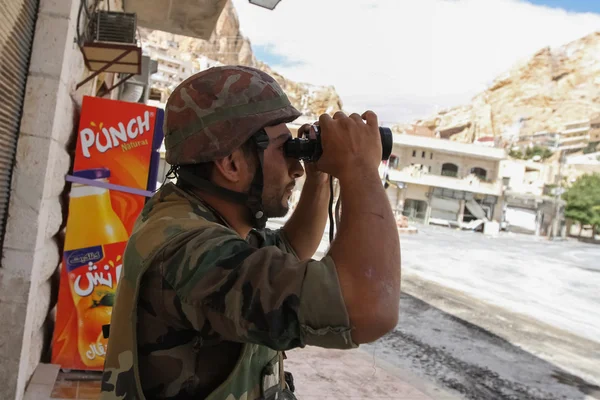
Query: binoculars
[{"x": 310, "y": 149}]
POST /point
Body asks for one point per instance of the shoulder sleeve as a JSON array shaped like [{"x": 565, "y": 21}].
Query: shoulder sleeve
[
  {"x": 258, "y": 295},
  {"x": 270, "y": 237}
]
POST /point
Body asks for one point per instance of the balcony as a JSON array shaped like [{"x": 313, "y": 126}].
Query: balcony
[
  {"x": 167, "y": 69},
  {"x": 573, "y": 139},
  {"x": 470, "y": 183},
  {"x": 195, "y": 18}
]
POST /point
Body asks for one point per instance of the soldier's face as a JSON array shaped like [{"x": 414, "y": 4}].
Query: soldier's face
[{"x": 280, "y": 173}]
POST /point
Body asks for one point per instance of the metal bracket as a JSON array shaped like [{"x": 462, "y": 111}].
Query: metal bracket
[
  {"x": 119, "y": 83},
  {"x": 104, "y": 68}
]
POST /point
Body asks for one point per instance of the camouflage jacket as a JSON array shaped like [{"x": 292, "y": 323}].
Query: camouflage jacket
[{"x": 202, "y": 313}]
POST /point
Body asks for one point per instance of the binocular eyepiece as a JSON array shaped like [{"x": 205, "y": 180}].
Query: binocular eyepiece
[{"x": 310, "y": 149}]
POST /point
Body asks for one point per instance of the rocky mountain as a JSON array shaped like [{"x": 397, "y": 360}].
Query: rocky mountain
[
  {"x": 554, "y": 87},
  {"x": 228, "y": 46}
]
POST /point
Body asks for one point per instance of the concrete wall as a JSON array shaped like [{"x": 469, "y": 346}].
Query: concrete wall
[
  {"x": 527, "y": 176},
  {"x": 417, "y": 192},
  {"x": 33, "y": 244},
  {"x": 393, "y": 194}
]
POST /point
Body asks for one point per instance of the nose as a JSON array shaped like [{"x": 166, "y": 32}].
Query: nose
[{"x": 295, "y": 168}]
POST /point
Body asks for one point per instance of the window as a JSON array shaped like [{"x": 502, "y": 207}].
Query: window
[
  {"x": 431, "y": 156},
  {"x": 414, "y": 153},
  {"x": 423, "y": 155},
  {"x": 451, "y": 194},
  {"x": 479, "y": 172},
  {"x": 449, "y": 169}
]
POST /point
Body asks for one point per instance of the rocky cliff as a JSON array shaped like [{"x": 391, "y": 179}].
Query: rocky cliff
[
  {"x": 554, "y": 87},
  {"x": 228, "y": 46}
]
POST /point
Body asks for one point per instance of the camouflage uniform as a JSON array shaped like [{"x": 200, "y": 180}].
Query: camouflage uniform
[{"x": 202, "y": 313}]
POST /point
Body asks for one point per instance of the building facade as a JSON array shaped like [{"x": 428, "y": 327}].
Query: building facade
[
  {"x": 528, "y": 176},
  {"x": 529, "y": 205},
  {"x": 576, "y": 135},
  {"x": 444, "y": 182}
]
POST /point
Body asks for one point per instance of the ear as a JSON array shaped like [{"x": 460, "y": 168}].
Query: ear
[{"x": 234, "y": 168}]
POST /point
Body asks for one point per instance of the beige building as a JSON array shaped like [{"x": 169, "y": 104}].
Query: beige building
[
  {"x": 576, "y": 135},
  {"x": 529, "y": 205},
  {"x": 444, "y": 182},
  {"x": 527, "y": 176},
  {"x": 542, "y": 139},
  {"x": 595, "y": 130}
]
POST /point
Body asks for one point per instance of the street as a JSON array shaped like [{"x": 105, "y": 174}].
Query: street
[
  {"x": 553, "y": 282},
  {"x": 507, "y": 317}
]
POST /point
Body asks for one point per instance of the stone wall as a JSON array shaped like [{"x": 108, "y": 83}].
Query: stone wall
[{"x": 37, "y": 213}]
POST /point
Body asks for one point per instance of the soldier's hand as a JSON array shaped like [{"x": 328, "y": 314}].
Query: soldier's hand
[{"x": 350, "y": 143}]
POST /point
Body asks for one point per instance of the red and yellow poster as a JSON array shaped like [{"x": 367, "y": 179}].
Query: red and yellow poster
[{"x": 115, "y": 167}]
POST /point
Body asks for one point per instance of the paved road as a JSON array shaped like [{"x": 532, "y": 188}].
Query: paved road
[
  {"x": 554, "y": 282},
  {"x": 482, "y": 351},
  {"x": 511, "y": 317}
]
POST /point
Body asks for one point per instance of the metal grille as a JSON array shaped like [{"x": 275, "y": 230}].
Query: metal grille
[
  {"x": 115, "y": 27},
  {"x": 17, "y": 22}
]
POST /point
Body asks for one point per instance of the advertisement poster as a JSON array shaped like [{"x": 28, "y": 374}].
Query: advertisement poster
[{"x": 115, "y": 167}]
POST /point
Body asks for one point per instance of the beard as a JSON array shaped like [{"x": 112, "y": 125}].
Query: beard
[{"x": 275, "y": 205}]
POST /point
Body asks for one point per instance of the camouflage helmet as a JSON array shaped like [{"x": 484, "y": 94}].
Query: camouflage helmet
[{"x": 215, "y": 111}]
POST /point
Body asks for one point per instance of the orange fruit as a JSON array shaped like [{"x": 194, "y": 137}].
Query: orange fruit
[{"x": 93, "y": 314}]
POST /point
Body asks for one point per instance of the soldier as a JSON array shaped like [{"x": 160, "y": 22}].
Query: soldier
[{"x": 209, "y": 299}]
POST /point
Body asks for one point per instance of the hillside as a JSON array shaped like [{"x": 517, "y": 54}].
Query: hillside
[
  {"x": 228, "y": 46},
  {"x": 552, "y": 88}
]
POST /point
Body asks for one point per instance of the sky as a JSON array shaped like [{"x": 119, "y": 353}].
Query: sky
[{"x": 406, "y": 59}]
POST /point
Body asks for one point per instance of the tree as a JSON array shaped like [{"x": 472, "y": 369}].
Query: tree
[
  {"x": 592, "y": 147},
  {"x": 583, "y": 200},
  {"x": 531, "y": 152}
]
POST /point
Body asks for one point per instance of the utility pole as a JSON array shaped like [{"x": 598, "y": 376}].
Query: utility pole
[
  {"x": 555, "y": 221},
  {"x": 558, "y": 193}
]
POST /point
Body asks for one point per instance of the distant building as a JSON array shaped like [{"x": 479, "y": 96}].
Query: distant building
[
  {"x": 575, "y": 136},
  {"x": 527, "y": 176},
  {"x": 541, "y": 139},
  {"x": 529, "y": 202},
  {"x": 444, "y": 182},
  {"x": 595, "y": 130},
  {"x": 173, "y": 67}
]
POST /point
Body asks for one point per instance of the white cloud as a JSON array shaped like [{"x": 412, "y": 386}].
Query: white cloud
[{"x": 404, "y": 58}]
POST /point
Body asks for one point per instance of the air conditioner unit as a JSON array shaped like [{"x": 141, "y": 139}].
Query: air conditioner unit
[
  {"x": 114, "y": 27},
  {"x": 110, "y": 45}
]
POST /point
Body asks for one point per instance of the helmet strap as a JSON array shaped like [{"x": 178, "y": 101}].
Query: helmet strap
[{"x": 254, "y": 202}]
